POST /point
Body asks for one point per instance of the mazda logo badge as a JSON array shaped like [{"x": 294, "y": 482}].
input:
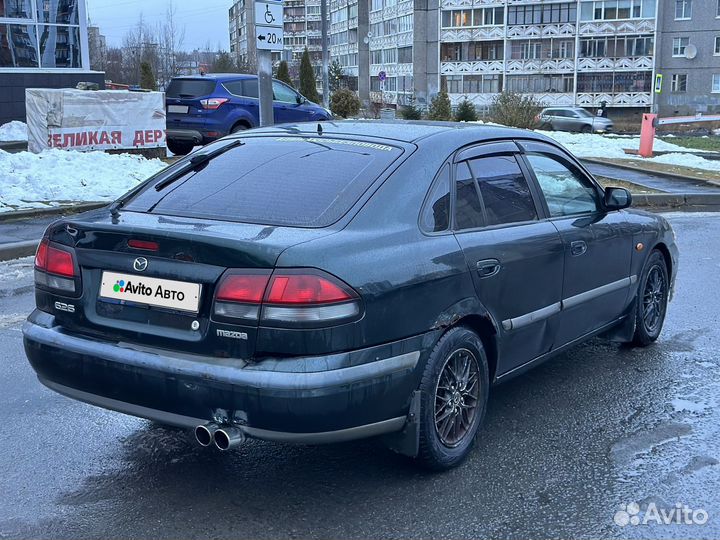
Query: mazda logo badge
[{"x": 140, "y": 264}]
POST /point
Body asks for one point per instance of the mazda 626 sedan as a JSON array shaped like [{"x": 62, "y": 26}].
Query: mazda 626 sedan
[{"x": 314, "y": 284}]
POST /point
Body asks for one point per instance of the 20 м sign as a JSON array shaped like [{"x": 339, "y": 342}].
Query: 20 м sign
[{"x": 268, "y": 26}]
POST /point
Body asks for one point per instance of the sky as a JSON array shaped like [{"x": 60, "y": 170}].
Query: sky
[{"x": 204, "y": 20}]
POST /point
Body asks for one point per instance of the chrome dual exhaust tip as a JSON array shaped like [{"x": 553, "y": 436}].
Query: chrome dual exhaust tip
[
  {"x": 205, "y": 433},
  {"x": 228, "y": 437},
  {"x": 225, "y": 438}
]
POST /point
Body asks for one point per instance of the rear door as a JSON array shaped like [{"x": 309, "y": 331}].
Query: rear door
[
  {"x": 182, "y": 99},
  {"x": 598, "y": 252},
  {"x": 514, "y": 256},
  {"x": 245, "y": 96}
]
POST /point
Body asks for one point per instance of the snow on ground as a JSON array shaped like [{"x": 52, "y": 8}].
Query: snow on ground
[
  {"x": 13, "y": 131},
  {"x": 612, "y": 146},
  {"x": 53, "y": 177}
]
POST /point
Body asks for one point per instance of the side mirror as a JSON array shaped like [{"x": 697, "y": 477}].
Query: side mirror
[
  {"x": 617, "y": 198},
  {"x": 300, "y": 99}
]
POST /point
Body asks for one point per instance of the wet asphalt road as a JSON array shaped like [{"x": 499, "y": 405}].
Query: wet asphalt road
[
  {"x": 564, "y": 448},
  {"x": 650, "y": 180}
]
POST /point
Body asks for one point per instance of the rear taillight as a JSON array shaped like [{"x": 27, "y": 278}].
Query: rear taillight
[
  {"x": 212, "y": 104},
  {"x": 286, "y": 297},
  {"x": 55, "y": 267}
]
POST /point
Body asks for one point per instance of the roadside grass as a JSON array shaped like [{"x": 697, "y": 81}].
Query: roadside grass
[{"x": 708, "y": 144}]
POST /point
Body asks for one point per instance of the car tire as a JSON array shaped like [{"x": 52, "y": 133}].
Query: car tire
[
  {"x": 451, "y": 407},
  {"x": 238, "y": 127},
  {"x": 586, "y": 129},
  {"x": 652, "y": 299},
  {"x": 180, "y": 148}
]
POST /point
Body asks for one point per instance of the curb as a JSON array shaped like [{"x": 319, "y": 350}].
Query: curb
[
  {"x": 16, "y": 250},
  {"x": 687, "y": 201},
  {"x": 46, "y": 212},
  {"x": 670, "y": 176}
]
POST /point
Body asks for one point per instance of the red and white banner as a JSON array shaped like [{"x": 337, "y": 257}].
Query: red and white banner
[{"x": 94, "y": 120}]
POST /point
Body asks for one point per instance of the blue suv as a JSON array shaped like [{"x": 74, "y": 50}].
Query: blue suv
[{"x": 203, "y": 108}]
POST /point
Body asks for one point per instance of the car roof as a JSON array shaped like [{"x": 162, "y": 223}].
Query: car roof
[
  {"x": 407, "y": 131},
  {"x": 218, "y": 76}
]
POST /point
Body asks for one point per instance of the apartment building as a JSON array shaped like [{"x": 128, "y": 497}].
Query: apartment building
[
  {"x": 301, "y": 26},
  {"x": 689, "y": 57}
]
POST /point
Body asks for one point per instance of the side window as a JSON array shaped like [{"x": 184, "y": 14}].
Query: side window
[
  {"x": 234, "y": 87},
  {"x": 284, "y": 93},
  {"x": 436, "y": 213},
  {"x": 504, "y": 189},
  {"x": 250, "y": 88},
  {"x": 468, "y": 210},
  {"x": 567, "y": 192}
]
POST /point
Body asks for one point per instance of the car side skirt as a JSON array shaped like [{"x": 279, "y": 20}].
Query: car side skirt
[{"x": 540, "y": 359}]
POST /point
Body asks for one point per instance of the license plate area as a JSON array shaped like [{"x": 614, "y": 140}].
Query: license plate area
[
  {"x": 178, "y": 109},
  {"x": 153, "y": 292}
]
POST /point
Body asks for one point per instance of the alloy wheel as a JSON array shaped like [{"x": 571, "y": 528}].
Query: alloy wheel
[
  {"x": 653, "y": 299},
  {"x": 457, "y": 397}
]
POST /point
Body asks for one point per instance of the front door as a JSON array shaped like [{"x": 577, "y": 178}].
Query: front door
[
  {"x": 516, "y": 259},
  {"x": 598, "y": 252},
  {"x": 286, "y": 105}
]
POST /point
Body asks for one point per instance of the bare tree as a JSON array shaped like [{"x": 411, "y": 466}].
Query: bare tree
[{"x": 171, "y": 37}]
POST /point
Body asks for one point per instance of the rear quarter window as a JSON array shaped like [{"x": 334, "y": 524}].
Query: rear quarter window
[
  {"x": 189, "y": 88},
  {"x": 291, "y": 181}
]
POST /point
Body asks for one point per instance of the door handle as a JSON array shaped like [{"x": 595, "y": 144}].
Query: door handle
[
  {"x": 577, "y": 248},
  {"x": 488, "y": 267}
]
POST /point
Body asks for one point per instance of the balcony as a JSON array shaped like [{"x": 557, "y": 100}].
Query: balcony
[
  {"x": 622, "y": 99},
  {"x": 471, "y": 67},
  {"x": 469, "y": 3},
  {"x": 540, "y": 30},
  {"x": 391, "y": 69},
  {"x": 636, "y": 26},
  {"x": 479, "y": 100},
  {"x": 615, "y": 64},
  {"x": 561, "y": 65},
  {"x": 472, "y": 34}
]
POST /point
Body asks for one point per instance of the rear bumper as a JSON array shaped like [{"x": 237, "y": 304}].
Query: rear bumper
[
  {"x": 276, "y": 399},
  {"x": 185, "y": 135}
]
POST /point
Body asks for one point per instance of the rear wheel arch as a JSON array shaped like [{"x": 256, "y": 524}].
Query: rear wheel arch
[
  {"x": 486, "y": 330},
  {"x": 243, "y": 123}
]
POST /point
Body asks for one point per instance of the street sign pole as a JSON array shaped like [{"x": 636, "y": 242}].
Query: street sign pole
[
  {"x": 264, "y": 63},
  {"x": 325, "y": 54},
  {"x": 268, "y": 38}
]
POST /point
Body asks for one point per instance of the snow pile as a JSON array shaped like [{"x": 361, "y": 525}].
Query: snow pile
[
  {"x": 586, "y": 145},
  {"x": 13, "y": 131},
  {"x": 54, "y": 177}
]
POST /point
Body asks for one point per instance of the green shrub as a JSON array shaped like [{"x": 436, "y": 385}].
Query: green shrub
[
  {"x": 515, "y": 110},
  {"x": 345, "y": 103},
  {"x": 466, "y": 112},
  {"x": 411, "y": 111},
  {"x": 440, "y": 108}
]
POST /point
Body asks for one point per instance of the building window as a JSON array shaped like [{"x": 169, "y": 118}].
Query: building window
[
  {"x": 617, "y": 9},
  {"x": 715, "y": 83},
  {"x": 542, "y": 14},
  {"x": 717, "y": 46},
  {"x": 405, "y": 55},
  {"x": 51, "y": 38},
  {"x": 679, "y": 44},
  {"x": 614, "y": 83},
  {"x": 678, "y": 82},
  {"x": 683, "y": 9},
  {"x": 539, "y": 84}
]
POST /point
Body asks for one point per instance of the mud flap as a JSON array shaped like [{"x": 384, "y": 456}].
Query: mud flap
[
  {"x": 407, "y": 441},
  {"x": 625, "y": 331}
]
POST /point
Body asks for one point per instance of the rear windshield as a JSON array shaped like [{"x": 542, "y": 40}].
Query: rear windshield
[
  {"x": 189, "y": 88},
  {"x": 291, "y": 181}
]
